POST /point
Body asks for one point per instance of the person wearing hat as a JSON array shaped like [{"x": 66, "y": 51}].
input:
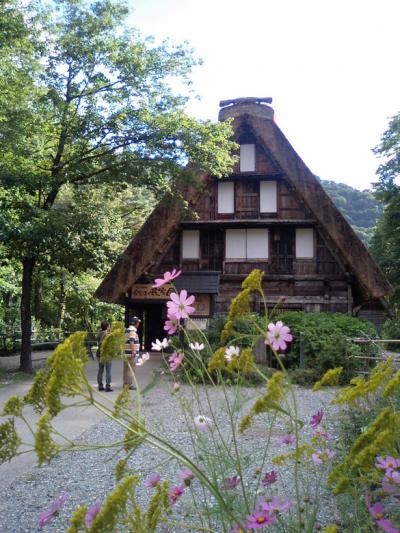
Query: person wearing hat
[{"x": 132, "y": 347}]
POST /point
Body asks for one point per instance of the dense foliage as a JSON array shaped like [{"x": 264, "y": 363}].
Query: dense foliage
[
  {"x": 86, "y": 102},
  {"x": 385, "y": 245},
  {"x": 361, "y": 209},
  {"x": 319, "y": 343}
]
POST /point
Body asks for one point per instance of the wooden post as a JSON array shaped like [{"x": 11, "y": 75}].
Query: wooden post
[
  {"x": 260, "y": 351},
  {"x": 302, "y": 338}
]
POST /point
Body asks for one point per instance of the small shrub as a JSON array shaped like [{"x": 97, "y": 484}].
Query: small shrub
[
  {"x": 324, "y": 342},
  {"x": 391, "y": 330},
  {"x": 306, "y": 377}
]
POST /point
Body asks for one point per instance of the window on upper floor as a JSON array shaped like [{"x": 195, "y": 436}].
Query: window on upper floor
[
  {"x": 191, "y": 244},
  {"x": 247, "y": 157},
  {"x": 242, "y": 244},
  {"x": 304, "y": 243},
  {"x": 226, "y": 197},
  {"x": 268, "y": 197}
]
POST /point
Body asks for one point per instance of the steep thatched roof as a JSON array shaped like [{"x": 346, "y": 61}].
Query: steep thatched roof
[
  {"x": 150, "y": 243},
  {"x": 155, "y": 236}
]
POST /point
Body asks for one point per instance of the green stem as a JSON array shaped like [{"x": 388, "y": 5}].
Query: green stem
[{"x": 170, "y": 450}]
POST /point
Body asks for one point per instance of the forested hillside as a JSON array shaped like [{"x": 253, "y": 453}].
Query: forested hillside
[{"x": 360, "y": 208}]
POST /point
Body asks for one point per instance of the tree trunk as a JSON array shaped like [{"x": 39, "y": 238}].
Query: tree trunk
[{"x": 28, "y": 264}]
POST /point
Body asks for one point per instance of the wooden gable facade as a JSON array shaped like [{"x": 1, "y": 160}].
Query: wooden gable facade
[{"x": 271, "y": 213}]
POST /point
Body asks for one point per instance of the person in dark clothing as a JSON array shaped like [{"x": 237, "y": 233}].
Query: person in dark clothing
[{"x": 104, "y": 331}]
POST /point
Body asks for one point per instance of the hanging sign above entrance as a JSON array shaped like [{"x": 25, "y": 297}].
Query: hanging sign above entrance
[{"x": 147, "y": 292}]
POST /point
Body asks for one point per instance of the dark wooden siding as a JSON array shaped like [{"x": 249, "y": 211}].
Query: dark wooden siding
[{"x": 247, "y": 201}]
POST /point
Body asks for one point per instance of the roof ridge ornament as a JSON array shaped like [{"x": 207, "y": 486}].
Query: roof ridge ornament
[{"x": 246, "y": 100}]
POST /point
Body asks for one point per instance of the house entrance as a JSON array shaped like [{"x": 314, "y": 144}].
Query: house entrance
[{"x": 152, "y": 316}]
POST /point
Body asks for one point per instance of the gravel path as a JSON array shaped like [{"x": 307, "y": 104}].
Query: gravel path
[{"x": 89, "y": 476}]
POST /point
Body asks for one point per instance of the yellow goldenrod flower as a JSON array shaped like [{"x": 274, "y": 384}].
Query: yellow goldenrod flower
[
  {"x": 217, "y": 361},
  {"x": 114, "y": 507},
  {"x": 45, "y": 447},
  {"x": 135, "y": 435},
  {"x": 331, "y": 377},
  {"x": 77, "y": 520},
  {"x": 120, "y": 469},
  {"x": 296, "y": 455},
  {"x": 13, "y": 406},
  {"x": 158, "y": 503},
  {"x": 253, "y": 282},
  {"x": 113, "y": 345},
  {"x": 37, "y": 393},
  {"x": 122, "y": 402},
  {"x": 267, "y": 402},
  {"x": 331, "y": 528},
  {"x": 9, "y": 441},
  {"x": 393, "y": 385}
]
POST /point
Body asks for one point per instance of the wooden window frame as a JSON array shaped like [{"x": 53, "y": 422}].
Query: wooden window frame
[
  {"x": 232, "y": 213},
  {"x": 275, "y": 212},
  {"x": 254, "y": 156},
  {"x": 198, "y": 247},
  {"x": 300, "y": 258},
  {"x": 247, "y": 260}
]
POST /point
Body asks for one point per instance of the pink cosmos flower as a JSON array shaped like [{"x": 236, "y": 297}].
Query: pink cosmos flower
[
  {"x": 278, "y": 335},
  {"x": 286, "y": 439},
  {"x": 46, "y": 516},
  {"x": 275, "y": 505},
  {"x": 202, "y": 423},
  {"x": 168, "y": 276},
  {"x": 186, "y": 475},
  {"x": 377, "y": 513},
  {"x": 180, "y": 305},
  {"x": 387, "y": 526},
  {"x": 391, "y": 482},
  {"x": 322, "y": 456},
  {"x": 175, "y": 360},
  {"x": 390, "y": 463},
  {"x": 316, "y": 418},
  {"x": 91, "y": 514},
  {"x": 175, "y": 493},
  {"x": 158, "y": 345},
  {"x": 230, "y": 352},
  {"x": 153, "y": 481},
  {"x": 259, "y": 520},
  {"x": 269, "y": 478},
  {"x": 171, "y": 325},
  {"x": 175, "y": 387},
  {"x": 231, "y": 482}
]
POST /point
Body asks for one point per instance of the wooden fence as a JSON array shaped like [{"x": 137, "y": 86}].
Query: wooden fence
[{"x": 377, "y": 346}]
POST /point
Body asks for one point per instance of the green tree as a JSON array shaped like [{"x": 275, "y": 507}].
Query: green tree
[
  {"x": 360, "y": 208},
  {"x": 386, "y": 240},
  {"x": 89, "y": 102}
]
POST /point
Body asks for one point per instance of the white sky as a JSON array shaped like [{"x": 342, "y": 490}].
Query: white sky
[{"x": 331, "y": 66}]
